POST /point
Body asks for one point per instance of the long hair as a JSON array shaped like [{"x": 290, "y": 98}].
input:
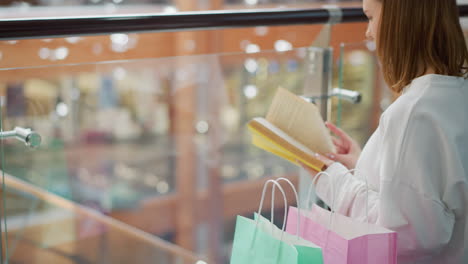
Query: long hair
[{"x": 415, "y": 35}]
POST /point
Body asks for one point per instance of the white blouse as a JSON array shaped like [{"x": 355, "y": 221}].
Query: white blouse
[{"x": 416, "y": 165}]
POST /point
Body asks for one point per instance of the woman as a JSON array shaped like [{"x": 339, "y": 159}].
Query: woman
[{"x": 416, "y": 162}]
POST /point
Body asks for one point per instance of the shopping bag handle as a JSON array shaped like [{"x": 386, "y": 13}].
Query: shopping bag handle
[
  {"x": 367, "y": 192},
  {"x": 261, "y": 205},
  {"x": 297, "y": 201},
  {"x": 314, "y": 182}
]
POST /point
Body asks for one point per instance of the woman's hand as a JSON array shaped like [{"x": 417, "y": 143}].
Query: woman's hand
[{"x": 347, "y": 149}]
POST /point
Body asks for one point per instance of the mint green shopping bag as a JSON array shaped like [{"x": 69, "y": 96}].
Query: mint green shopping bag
[
  {"x": 261, "y": 242},
  {"x": 252, "y": 245},
  {"x": 308, "y": 252}
]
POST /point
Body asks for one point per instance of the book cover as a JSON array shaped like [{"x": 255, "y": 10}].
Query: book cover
[{"x": 293, "y": 129}]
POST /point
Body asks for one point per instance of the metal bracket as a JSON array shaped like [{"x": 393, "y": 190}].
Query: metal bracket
[
  {"x": 348, "y": 95},
  {"x": 336, "y": 14},
  {"x": 30, "y": 138}
]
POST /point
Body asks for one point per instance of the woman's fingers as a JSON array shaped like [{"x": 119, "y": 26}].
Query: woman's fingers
[
  {"x": 325, "y": 160},
  {"x": 338, "y": 142},
  {"x": 339, "y": 150},
  {"x": 340, "y": 147},
  {"x": 337, "y": 131},
  {"x": 347, "y": 150},
  {"x": 344, "y": 140},
  {"x": 331, "y": 156}
]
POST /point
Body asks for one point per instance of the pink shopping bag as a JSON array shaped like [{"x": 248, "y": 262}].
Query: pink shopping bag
[{"x": 343, "y": 239}]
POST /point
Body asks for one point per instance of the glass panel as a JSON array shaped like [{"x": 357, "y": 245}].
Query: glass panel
[
  {"x": 44, "y": 228},
  {"x": 3, "y": 226},
  {"x": 359, "y": 71},
  {"x": 159, "y": 144}
]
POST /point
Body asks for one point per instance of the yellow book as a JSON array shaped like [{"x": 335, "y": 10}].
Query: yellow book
[{"x": 293, "y": 129}]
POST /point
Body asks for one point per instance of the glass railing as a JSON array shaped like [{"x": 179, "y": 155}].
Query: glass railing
[
  {"x": 45, "y": 228},
  {"x": 358, "y": 71},
  {"x": 160, "y": 145}
]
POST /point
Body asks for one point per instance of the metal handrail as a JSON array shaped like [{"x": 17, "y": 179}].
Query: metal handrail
[{"x": 22, "y": 28}]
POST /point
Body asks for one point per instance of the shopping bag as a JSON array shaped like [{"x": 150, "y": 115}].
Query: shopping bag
[
  {"x": 251, "y": 245},
  {"x": 259, "y": 241},
  {"x": 308, "y": 252},
  {"x": 343, "y": 239}
]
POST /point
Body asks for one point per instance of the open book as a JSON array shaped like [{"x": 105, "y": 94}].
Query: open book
[{"x": 293, "y": 129}]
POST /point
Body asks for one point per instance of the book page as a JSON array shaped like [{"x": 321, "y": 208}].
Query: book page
[{"x": 301, "y": 120}]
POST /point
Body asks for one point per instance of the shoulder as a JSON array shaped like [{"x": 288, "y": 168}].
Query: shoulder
[
  {"x": 429, "y": 111},
  {"x": 441, "y": 102},
  {"x": 433, "y": 97}
]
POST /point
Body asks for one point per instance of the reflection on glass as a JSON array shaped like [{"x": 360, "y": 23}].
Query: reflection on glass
[{"x": 44, "y": 228}]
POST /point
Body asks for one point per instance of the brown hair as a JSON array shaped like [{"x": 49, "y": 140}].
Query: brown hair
[{"x": 415, "y": 35}]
